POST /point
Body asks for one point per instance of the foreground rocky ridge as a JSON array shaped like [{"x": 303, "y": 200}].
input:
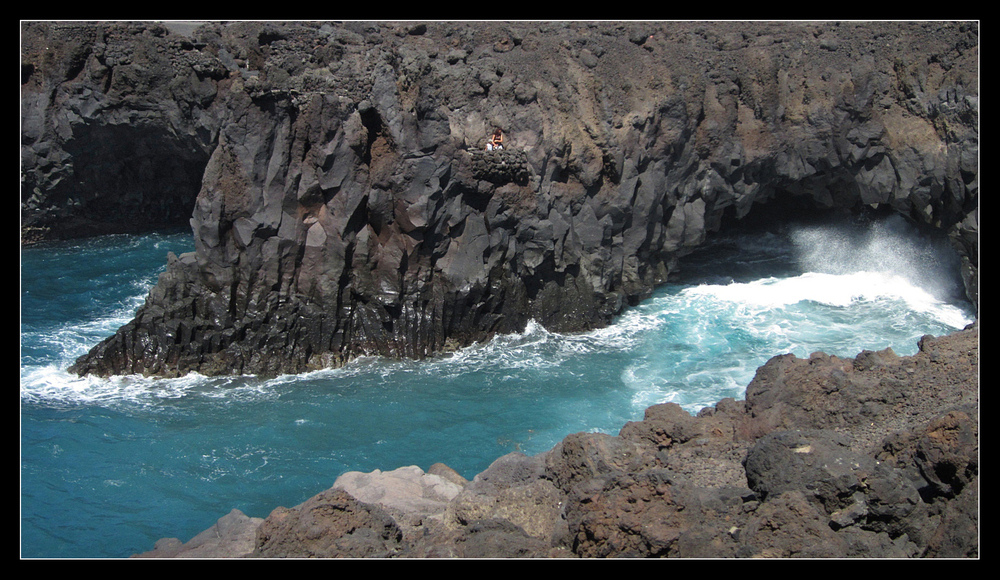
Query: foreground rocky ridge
[
  {"x": 875, "y": 456},
  {"x": 340, "y": 205}
]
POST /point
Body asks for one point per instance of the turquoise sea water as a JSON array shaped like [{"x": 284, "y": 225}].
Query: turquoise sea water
[{"x": 108, "y": 466}]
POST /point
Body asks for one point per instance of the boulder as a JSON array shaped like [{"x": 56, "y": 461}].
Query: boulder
[
  {"x": 410, "y": 495},
  {"x": 330, "y": 524},
  {"x": 233, "y": 536}
]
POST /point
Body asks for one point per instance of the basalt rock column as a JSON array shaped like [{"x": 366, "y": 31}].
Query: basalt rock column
[{"x": 347, "y": 208}]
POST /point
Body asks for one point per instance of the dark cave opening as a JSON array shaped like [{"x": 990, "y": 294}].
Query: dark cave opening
[
  {"x": 123, "y": 179},
  {"x": 783, "y": 207},
  {"x": 785, "y": 211}
]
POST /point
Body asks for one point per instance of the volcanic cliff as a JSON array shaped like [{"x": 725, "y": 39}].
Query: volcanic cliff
[
  {"x": 335, "y": 180},
  {"x": 341, "y": 203}
]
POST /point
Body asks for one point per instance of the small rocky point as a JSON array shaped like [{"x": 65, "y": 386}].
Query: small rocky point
[{"x": 827, "y": 457}]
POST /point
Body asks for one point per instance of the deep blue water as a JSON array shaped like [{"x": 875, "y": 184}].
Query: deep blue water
[{"x": 110, "y": 466}]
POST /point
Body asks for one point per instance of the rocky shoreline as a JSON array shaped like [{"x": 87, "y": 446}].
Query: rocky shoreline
[
  {"x": 827, "y": 457},
  {"x": 341, "y": 205}
]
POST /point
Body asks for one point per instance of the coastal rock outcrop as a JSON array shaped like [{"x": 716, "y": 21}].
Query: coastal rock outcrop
[
  {"x": 117, "y": 123},
  {"x": 772, "y": 476},
  {"x": 341, "y": 203}
]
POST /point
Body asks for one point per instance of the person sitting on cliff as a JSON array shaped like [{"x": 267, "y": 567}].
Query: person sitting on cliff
[{"x": 495, "y": 143}]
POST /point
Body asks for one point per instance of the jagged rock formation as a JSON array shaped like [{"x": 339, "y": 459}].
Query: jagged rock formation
[
  {"x": 341, "y": 204},
  {"x": 828, "y": 457},
  {"x": 117, "y": 124},
  {"x": 344, "y": 208}
]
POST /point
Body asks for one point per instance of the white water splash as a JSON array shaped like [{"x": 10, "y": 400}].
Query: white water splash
[{"x": 891, "y": 248}]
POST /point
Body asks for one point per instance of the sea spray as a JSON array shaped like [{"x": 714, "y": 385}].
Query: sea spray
[
  {"x": 890, "y": 247},
  {"x": 840, "y": 286}
]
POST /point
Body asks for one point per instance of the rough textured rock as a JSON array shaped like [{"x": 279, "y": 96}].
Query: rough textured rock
[
  {"x": 847, "y": 488},
  {"x": 331, "y": 524},
  {"x": 412, "y": 497},
  {"x": 864, "y": 394},
  {"x": 233, "y": 536},
  {"x": 117, "y": 123},
  {"x": 722, "y": 484},
  {"x": 339, "y": 199},
  {"x": 341, "y": 204}
]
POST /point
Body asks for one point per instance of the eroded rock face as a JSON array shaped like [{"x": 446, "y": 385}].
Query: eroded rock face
[
  {"x": 117, "y": 123},
  {"x": 346, "y": 209}
]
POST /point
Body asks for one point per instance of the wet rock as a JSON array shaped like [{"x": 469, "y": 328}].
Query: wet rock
[{"x": 340, "y": 206}]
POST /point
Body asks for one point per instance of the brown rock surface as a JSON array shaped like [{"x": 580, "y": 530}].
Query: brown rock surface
[{"x": 875, "y": 457}]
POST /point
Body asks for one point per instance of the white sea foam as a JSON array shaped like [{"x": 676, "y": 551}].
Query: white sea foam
[
  {"x": 836, "y": 290},
  {"x": 858, "y": 287},
  {"x": 891, "y": 247},
  {"x": 845, "y": 268}
]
